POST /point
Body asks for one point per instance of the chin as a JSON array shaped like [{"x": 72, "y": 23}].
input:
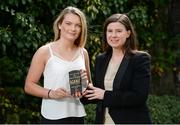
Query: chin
[
  {"x": 71, "y": 39},
  {"x": 116, "y": 47}
]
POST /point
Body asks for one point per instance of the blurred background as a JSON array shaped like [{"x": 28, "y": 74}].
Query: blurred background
[{"x": 25, "y": 25}]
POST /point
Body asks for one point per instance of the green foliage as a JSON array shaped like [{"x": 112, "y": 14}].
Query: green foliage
[
  {"x": 16, "y": 107},
  {"x": 8, "y": 71},
  {"x": 90, "y": 111},
  {"x": 164, "y": 109}
]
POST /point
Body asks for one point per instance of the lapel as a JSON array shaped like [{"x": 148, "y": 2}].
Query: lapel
[
  {"x": 106, "y": 60},
  {"x": 121, "y": 71}
]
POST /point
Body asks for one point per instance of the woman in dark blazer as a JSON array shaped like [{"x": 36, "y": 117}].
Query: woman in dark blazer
[{"x": 122, "y": 76}]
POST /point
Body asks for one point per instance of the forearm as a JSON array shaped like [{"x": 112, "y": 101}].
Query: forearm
[{"x": 36, "y": 90}]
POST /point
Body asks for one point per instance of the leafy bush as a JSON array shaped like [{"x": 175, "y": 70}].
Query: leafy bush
[
  {"x": 9, "y": 71},
  {"x": 17, "y": 107},
  {"x": 90, "y": 111},
  {"x": 164, "y": 109}
]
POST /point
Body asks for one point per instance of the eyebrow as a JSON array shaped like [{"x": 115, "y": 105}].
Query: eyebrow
[
  {"x": 71, "y": 22},
  {"x": 114, "y": 29}
]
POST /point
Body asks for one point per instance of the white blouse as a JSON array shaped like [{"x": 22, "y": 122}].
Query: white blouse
[{"x": 56, "y": 76}]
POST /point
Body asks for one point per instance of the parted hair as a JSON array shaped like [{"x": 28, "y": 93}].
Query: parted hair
[
  {"x": 81, "y": 40},
  {"x": 131, "y": 42}
]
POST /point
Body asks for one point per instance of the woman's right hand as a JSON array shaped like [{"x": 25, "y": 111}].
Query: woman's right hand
[
  {"x": 94, "y": 93},
  {"x": 59, "y": 93}
]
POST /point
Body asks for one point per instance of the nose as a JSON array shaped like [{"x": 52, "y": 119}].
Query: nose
[
  {"x": 73, "y": 27},
  {"x": 113, "y": 34}
]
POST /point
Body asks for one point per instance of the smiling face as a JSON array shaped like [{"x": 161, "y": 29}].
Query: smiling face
[
  {"x": 116, "y": 35},
  {"x": 70, "y": 27}
]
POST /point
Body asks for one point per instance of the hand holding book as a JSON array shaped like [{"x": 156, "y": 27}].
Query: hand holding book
[{"x": 78, "y": 82}]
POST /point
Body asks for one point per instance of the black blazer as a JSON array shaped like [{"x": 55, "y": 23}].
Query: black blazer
[{"x": 127, "y": 101}]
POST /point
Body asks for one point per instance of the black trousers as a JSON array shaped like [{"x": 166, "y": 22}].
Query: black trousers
[{"x": 69, "y": 120}]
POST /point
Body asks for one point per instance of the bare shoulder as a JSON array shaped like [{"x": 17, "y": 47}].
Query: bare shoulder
[
  {"x": 43, "y": 50},
  {"x": 85, "y": 52},
  {"x": 42, "y": 53}
]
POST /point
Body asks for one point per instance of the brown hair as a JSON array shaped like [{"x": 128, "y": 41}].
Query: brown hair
[{"x": 131, "y": 42}]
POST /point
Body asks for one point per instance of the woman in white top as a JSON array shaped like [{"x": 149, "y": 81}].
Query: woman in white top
[{"x": 55, "y": 60}]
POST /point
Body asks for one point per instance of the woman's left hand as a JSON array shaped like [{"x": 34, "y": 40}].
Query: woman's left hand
[{"x": 94, "y": 93}]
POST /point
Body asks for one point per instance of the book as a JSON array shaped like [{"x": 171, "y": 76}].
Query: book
[{"x": 75, "y": 81}]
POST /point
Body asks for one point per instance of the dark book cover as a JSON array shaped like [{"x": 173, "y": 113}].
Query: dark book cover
[{"x": 75, "y": 81}]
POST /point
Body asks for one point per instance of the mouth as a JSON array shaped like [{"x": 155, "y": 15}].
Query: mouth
[
  {"x": 114, "y": 41},
  {"x": 73, "y": 34}
]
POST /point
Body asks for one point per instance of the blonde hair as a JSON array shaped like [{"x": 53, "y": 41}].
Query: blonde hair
[{"x": 81, "y": 40}]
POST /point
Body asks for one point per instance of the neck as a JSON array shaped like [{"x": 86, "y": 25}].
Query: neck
[
  {"x": 117, "y": 56},
  {"x": 117, "y": 52},
  {"x": 67, "y": 45}
]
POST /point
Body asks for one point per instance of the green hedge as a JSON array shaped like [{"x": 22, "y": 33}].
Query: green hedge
[
  {"x": 165, "y": 109},
  {"x": 17, "y": 107}
]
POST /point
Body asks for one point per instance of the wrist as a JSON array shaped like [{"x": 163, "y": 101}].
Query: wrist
[
  {"x": 49, "y": 94},
  {"x": 103, "y": 94}
]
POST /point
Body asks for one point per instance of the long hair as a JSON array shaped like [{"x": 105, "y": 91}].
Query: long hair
[
  {"x": 81, "y": 40},
  {"x": 131, "y": 42}
]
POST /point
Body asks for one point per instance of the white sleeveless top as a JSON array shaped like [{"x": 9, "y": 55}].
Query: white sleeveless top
[{"x": 55, "y": 76}]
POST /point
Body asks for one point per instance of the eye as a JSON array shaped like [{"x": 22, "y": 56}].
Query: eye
[
  {"x": 109, "y": 30},
  {"x": 119, "y": 31},
  {"x": 68, "y": 23},
  {"x": 79, "y": 25}
]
